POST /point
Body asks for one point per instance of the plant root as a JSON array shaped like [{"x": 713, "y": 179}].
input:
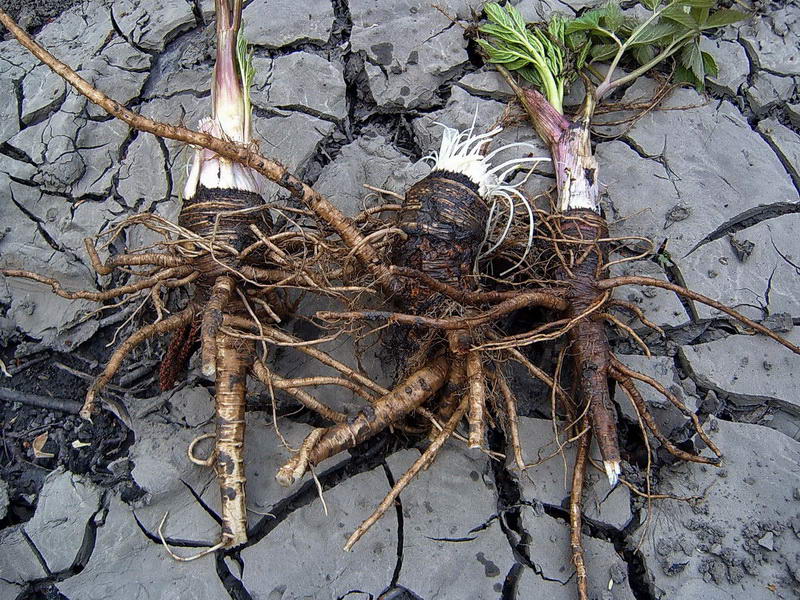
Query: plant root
[
  {"x": 143, "y": 284},
  {"x": 513, "y": 419},
  {"x": 421, "y": 463},
  {"x": 212, "y": 320},
  {"x": 402, "y": 400},
  {"x": 575, "y": 513},
  {"x": 613, "y": 282},
  {"x": 620, "y": 371},
  {"x": 234, "y": 359},
  {"x": 270, "y": 379},
  {"x": 521, "y": 300},
  {"x": 476, "y": 416},
  {"x": 115, "y": 362},
  {"x": 175, "y": 557},
  {"x": 202, "y": 462}
]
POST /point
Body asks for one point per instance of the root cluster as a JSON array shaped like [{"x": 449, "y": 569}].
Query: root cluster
[{"x": 410, "y": 269}]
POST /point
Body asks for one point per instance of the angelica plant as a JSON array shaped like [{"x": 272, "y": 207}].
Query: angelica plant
[{"x": 547, "y": 59}]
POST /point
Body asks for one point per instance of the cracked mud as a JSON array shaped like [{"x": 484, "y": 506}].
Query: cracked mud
[{"x": 718, "y": 181}]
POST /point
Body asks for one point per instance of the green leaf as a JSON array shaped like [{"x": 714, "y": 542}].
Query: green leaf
[
  {"x": 582, "y": 55},
  {"x": 723, "y": 17},
  {"x": 684, "y": 75},
  {"x": 653, "y": 33},
  {"x": 680, "y": 14},
  {"x": 557, "y": 28},
  {"x": 494, "y": 12},
  {"x": 651, "y": 4},
  {"x": 644, "y": 54},
  {"x": 517, "y": 64},
  {"x": 692, "y": 59},
  {"x": 498, "y": 31},
  {"x": 530, "y": 75},
  {"x": 499, "y": 53},
  {"x": 516, "y": 17},
  {"x": 613, "y": 19},
  {"x": 603, "y": 51},
  {"x": 700, "y": 15},
  {"x": 583, "y": 23},
  {"x": 697, "y": 3},
  {"x": 710, "y": 65},
  {"x": 577, "y": 40},
  {"x": 244, "y": 58}
]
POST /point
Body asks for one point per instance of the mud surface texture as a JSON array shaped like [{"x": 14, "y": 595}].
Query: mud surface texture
[{"x": 346, "y": 94}]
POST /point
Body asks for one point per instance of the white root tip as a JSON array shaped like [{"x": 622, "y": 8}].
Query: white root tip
[{"x": 612, "y": 471}]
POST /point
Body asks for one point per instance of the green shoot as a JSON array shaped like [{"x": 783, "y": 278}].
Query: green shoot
[
  {"x": 537, "y": 54},
  {"x": 551, "y": 58},
  {"x": 244, "y": 58}
]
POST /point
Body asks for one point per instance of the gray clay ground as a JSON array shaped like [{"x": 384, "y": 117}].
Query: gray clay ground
[{"x": 346, "y": 95}]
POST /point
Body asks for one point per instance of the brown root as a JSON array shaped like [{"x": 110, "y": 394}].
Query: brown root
[
  {"x": 477, "y": 399},
  {"x": 454, "y": 293},
  {"x": 575, "y": 514},
  {"x": 513, "y": 419},
  {"x": 403, "y": 399},
  {"x": 129, "y": 260},
  {"x": 613, "y": 282},
  {"x": 270, "y": 379},
  {"x": 234, "y": 359},
  {"x": 644, "y": 413},
  {"x": 521, "y": 300},
  {"x": 636, "y": 311},
  {"x": 620, "y": 371},
  {"x": 315, "y": 353},
  {"x": 212, "y": 320},
  {"x": 421, "y": 463},
  {"x": 115, "y": 362},
  {"x": 99, "y": 296}
]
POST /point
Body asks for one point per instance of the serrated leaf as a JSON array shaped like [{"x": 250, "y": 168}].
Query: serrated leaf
[
  {"x": 498, "y": 31},
  {"x": 653, "y": 33},
  {"x": 710, "y": 65},
  {"x": 603, "y": 51},
  {"x": 576, "y": 40},
  {"x": 516, "y": 17},
  {"x": 557, "y": 28},
  {"x": 723, "y": 17},
  {"x": 680, "y": 14},
  {"x": 494, "y": 12},
  {"x": 516, "y": 64},
  {"x": 612, "y": 19},
  {"x": 692, "y": 59},
  {"x": 581, "y": 24},
  {"x": 498, "y": 54},
  {"x": 530, "y": 75},
  {"x": 684, "y": 75},
  {"x": 583, "y": 54},
  {"x": 651, "y": 4}
]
